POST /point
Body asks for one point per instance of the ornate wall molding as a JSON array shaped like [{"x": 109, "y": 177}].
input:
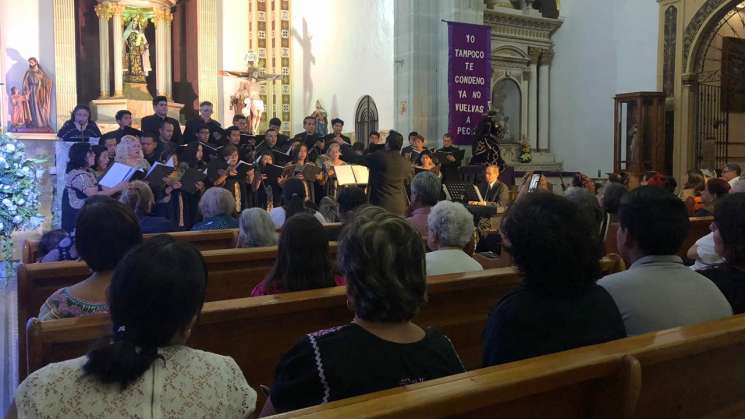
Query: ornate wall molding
[
  {"x": 669, "y": 48},
  {"x": 695, "y": 25},
  {"x": 508, "y": 23}
]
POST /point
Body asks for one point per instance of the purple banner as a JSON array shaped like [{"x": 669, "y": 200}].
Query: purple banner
[{"x": 469, "y": 78}]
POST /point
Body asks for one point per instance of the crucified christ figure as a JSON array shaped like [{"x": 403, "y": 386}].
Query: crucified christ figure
[{"x": 249, "y": 94}]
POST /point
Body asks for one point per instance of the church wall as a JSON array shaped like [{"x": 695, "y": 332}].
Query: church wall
[
  {"x": 26, "y": 31},
  {"x": 234, "y": 48},
  {"x": 344, "y": 53},
  {"x": 604, "y": 47}
]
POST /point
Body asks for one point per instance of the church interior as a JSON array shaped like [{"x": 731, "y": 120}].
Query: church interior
[{"x": 384, "y": 98}]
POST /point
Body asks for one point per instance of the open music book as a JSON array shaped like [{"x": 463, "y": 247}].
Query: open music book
[
  {"x": 352, "y": 175},
  {"x": 118, "y": 173}
]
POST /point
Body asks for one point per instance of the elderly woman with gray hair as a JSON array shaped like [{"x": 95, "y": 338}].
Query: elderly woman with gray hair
[
  {"x": 256, "y": 229},
  {"x": 217, "y": 206},
  {"x": 450, "y": 229},
  {"x": 425, "y": 192}
]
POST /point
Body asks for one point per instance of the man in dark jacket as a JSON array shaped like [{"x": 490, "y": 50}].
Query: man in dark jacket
[{"x": 151, "y": 124}]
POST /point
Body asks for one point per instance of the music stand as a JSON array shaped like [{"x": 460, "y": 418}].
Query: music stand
[{"x": 461, "y": 192}]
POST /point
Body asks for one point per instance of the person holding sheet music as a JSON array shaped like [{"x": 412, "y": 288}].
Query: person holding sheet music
[
  {"x": 270, "y": 142},
  {"x": 450, "y": 158},
  {"x": 165, "y": 134},
  {"x": 101, "y": 161},
  {"x": 417, "y": 148},
  {"x": 193, "y": 155},
  {"x": 178, "y": 200},
  {"x": 231, "y": 173},
  {"x": 406, "y": 151},
  {"x": 129, "y": 152},
  {"x": 266, "y": 184},
  {"x": 300, "y": 163},
  {"x": 425, "y": 163},
  {"x": 80, "y": 126},
  {"x": 331, "y": 159},
  {"x": 152, "y": 150},
  {"x": 81, "y": 183}
]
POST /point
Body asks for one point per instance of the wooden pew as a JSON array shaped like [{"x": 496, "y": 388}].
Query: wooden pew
[
  {"x": 257, "y": 331},
  {"x": 688, "y": 372},
  {"x": 699, "y": 228},
  {"x": 232, "y": 273},
  {"x": 203, "y": 240}
]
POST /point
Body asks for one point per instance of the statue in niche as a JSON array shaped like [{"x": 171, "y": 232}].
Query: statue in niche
[
  {"x": 37, "y": 88},
  {"x": 548, "y": 8},
  {"x": 507, "y": 106},
  {"x": 248, "y": 95},
  {"x": 322, "y": 120},
  {"x": 20, "y": 114},
  {"x": 136, "y": 50}
]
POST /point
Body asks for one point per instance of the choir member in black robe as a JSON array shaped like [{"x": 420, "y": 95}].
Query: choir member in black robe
[
  {"x": 204, "y": 118},
  {"x": 267, "y": 190},
  {"x": 153, "y": 122},
  {"x": 282, "y": 140},
  {"x": 124, "y": 119},
  {"x": 152, "y": 149},
  {"x": 309, "y": 137},
  {"x": 227, "y": 173},
  {"x": 451, "y": 161}
]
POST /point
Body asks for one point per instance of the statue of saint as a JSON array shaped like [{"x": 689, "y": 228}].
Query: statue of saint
[
  {"x": 20, "y": 115},
  {"x": 322, "y": 120},
  {"x": 37, "y": 87},
  {"x": 249, "y": 94},
  {"x": 136, "y": 50}
]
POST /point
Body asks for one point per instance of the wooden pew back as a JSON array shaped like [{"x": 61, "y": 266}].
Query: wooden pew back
[
  {"x": 232, "y": 273},
  {"x": 699, "y": 228},
  {"x": 689, "y": 372},
  {"x": 257, "y": 331}
]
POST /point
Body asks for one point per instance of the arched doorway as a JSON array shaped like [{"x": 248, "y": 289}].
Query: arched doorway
[
  {"x": 365, "y": 119},
  {"x": 714, "y": 57}
]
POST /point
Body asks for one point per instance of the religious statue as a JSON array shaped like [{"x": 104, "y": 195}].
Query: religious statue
[
  {"x": 249, "y": 94},
  {"x": 322, "y": 120},
  {"x": 137, "y": 50},
  {"x": 37, "y": 88},
  {"x": 548, "y": 8},
  {"x": 485, "y": 148},
  {"x": 20, "y": 114}
]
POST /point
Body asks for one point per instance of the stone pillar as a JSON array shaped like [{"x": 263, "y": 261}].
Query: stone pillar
[
  {"x": 169, "y": 54},
  {"x": 65, "y": 77},
  {"x": 117, "y": 32},
  {"x": 207, "y": 57},
  {"x": 535, "y": 55},
  {"x": 159, "y": 18},
  {"x": 544, "y": 87},
  {"x": 103, "y": 11}
]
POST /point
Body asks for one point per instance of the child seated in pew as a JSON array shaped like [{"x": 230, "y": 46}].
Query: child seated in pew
[
  {"x": 558, "y": 306},
  {"x": 105, "y": 231},
  {"x": 302, "y": 259},
  {"x": 156, "y": 294},
  {"x": 381, "y": 348},
  {"x": 57, "y": 245}
]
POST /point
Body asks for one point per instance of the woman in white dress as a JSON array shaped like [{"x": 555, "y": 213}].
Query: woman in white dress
[{"x": 146, "y": 370}]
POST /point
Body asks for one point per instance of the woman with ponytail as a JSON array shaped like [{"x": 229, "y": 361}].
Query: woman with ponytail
[
  {"x": 294, "y": 199},
  {"x": 145, "y": 370}
]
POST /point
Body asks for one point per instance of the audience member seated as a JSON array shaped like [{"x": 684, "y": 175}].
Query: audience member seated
[
  {"x": 139, "y": 198},
  {"x": 81, "y": 183},
  {"x": 590, "y": 208},
  {"x": 694, "y": 184},
  {"x": 129, "y": 152},
  {"x": 156, "y": 295},
  {"x": 657, "y": 291},
  {"x": 302, "y": 259},
  {"x": 256, "y": 229},
  {"x": 294, "y": 197},
  {"x": 450, "y": 228},
  {"x": 425, "y": 192},
  {"x": 492, "y": 190},
  {"x": 216, "y": 206},
  {"x": 558, "y": 306},
  {"x": 57, "y": 245},
  {"x": 731, "y": 173},
  {"x": 328, "y": 208},
  {"x": 610, "y": 198},
  {"x": 704, "y": 253},
  {"x": 348, "y": 200},
  {"x": 381, "y": 348},
  {"x": 105, "y": 231},
  {"x": 715, "y": 190},
  {"x": 728, "y": 229}
]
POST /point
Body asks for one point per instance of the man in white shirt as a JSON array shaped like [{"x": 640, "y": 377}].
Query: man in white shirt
[
  {"x": 657, "y": 291},
  {"x": 450, "y": 229},
  {"x": 731, "y": 173}
]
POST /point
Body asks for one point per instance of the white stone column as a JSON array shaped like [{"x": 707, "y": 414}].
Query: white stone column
[
  {"x": 160, "y": 45},
  {"x": 207, "y": 54},
  {"x": 524, "y": 110},
  {"x": 534, "y": 54},
  {"x": 544, "y": 90},
  {"x": 169, "y": 54},
  {"x": 104, "y": 14},
  {"x": 65, "y": 77},
  {"x": 117, "y": 32}
]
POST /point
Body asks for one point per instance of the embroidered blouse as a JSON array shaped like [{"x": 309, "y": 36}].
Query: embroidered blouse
[
  {"x": 80, "y": 179},
  {"x": 183, "y": 383},
  {"x": 61, "y": 304}
]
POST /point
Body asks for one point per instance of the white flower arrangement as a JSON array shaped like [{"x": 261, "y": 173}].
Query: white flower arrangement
[{"x": 19, "y": 193}]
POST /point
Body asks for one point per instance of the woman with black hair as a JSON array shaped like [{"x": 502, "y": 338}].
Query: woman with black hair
[
  {"x": 294, "y": 197},
  {"x": 101, "y": 161},
  {"x": 80, "y": 127},
  {"x": 302, "y": 259},
  {"x": 81, "y": 183},
  {"x": 558, "y": 306},
  {"x": 105, "y": 231},
  {"x": 146, "y": 369},
  {"x": 225, "y": 172},
  {"x": 193, "y": 155},
  {"x": 381, "y": 347},
  {"x": 728, "y": 230}
]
